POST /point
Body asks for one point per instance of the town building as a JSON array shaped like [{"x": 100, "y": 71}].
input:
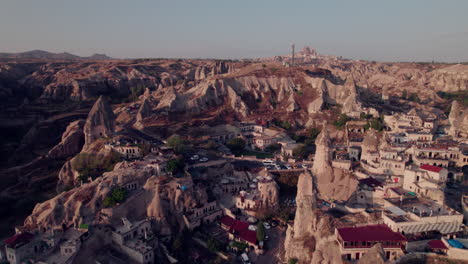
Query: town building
[
  {"x": 239, "y": 231},
  {"x": 135, "y": 240},
  {"x": 264, "y": 194},
  {"x": 356, "y": 241},
  {"x": 204, "y": 214},
  {"x": 426, "y": 180},
  {"x": 421, "y": 217}
]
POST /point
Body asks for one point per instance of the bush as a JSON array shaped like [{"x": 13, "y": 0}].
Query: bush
[
  {"x": 342, "y": 120},
  {"x": 213, "y": 244},
  {"x": 273, "y": 148},
  {"x": 301, "y": 151},
  {"x": 414, "y": 98},
  {"x": 236, "y": 144},
  {"x": 260, "y": 231},
  {"x": 292, "y": 261},
  {"x": 92, "y": 165},
  {"x": 175, "y": 166},
  {"x": 177, "y": 143},
  {"x": 117, "y": 195},
  {"x": 135, "y": 92}
]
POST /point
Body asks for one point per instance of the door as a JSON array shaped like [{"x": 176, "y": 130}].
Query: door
[{"x": 357, "y": 256}]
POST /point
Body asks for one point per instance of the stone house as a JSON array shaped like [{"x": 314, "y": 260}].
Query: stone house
[{"x": 354, "y": 242}]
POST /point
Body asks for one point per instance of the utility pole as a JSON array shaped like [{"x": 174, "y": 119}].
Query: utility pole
[{"x": 292, "y": 55}]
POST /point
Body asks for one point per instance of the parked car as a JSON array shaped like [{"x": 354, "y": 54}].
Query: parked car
[
  {"x": 194, "y": 157},
  {"x": 288, "y": 166},
  {"x": 274, "y": 223},
  {"x": 252, "y": 227},
  {"x": 266, "y": 225},
  {"x": 204, "y": 159},
  {"x": 266, "y": 238},
  {"x": 304, "y": 166},
  {"x": 245, "y": 259}
]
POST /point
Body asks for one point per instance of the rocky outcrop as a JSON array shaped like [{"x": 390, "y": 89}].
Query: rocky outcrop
[
  {"x": 100, "y": 122},
  {"x": 71, "y": 143},
  {"x": 458, "y": 120},
  {"x": 204, "y": 71},
  {"x": 159, "y": 198},
  {"x": 332, "y": 183},
  {"x": 375, "y": 255},
  {"x": 311, "y": 239},
  {"x": 143, "y": 112}
]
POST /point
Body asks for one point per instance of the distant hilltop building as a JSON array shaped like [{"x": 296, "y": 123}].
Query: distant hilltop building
[{"x": 308, "y": 51}]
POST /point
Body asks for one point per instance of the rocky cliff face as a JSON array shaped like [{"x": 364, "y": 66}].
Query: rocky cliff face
[
  {"x": 155, "y": 197},
  {"x": 143, "y": 112},
  {"x": 332, "y": 183},
  {"x": 458, "y": 120},
  {"x": 72, "y": 141},
  {"x": 311, "y": 239},
  {"x": 100, "y": 122}
]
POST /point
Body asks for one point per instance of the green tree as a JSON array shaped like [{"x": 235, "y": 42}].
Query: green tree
[
  {"x": 260, "y": 231},
  {"x": 236, "y": 144},
  {"x": 292, "y": 261},
  {"x": 213, "y": 244},
  {"x": 414, "y": 98},
  {"x": 177, "y": 143},
  {"x": 273, "y": 148},
  {"x": 300, "y": 151},
  {"x": 175, "y": 165},
  {"x": 312, "y": 133},
  {"x": 342, "y": 120},
  {"x": 119, "y": 194},
  {"x": 286, "y": 125},
  {"x": 108, "y": 202}
]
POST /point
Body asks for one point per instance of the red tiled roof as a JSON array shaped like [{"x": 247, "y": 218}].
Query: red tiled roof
[
  {"x": 227, "y": 221},
  {"x": 370, "y": 233},
  {"x": 233, "y": 224},
  {"x": 431, "y": 168},
  {"x": 18, "y": 238},
  {"x": 248, "y": 235},
  {"x": 240, "y": 229},
  {"x": 437, "y": 244}
]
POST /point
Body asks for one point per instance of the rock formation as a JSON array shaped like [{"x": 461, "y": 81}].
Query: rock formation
[
  {"x": 268, "y": 191},
  {"x": 311, "y": 239},
  {"x": 100, "y": 121},
  {"x": 375, "y": 255},
  {"x": 332, "y": 183},
  {"x": 458, "y": 120},
  {"x": 162, "y": 200},
  {"x": 71, "y": 143},
  {"x": 143, "y": 112}
]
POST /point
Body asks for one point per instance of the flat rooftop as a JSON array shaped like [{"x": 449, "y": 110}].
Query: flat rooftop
[{"x": 422, "y": 207}]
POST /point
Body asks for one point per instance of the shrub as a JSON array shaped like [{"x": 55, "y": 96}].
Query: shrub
[
  {"x": 342, "y": 120},
  {"x": 177, "y": 143},
  {"x": 292, "y": 261},
  {"x": 213, "y": 244},
  {"x": 92, "y": 165},
  {"x": 273, "y": 148},
  {"x": 117, "y": 195},
  {"x": 175, "y": 166},
  {"x": 260, "y": 231},
  {"x": 301, "y": 151},
  {"x": 236, "y": 144}
]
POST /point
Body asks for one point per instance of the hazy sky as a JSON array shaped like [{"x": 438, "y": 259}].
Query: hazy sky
[{"x": 398, "y": 30}]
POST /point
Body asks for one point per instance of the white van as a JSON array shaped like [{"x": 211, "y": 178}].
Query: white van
[
  {"x": 267, "y": 162},
  {"x": 245, "y": 258}
]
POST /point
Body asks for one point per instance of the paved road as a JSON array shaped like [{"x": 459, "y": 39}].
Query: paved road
[{"x": 272, "y": 246}]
